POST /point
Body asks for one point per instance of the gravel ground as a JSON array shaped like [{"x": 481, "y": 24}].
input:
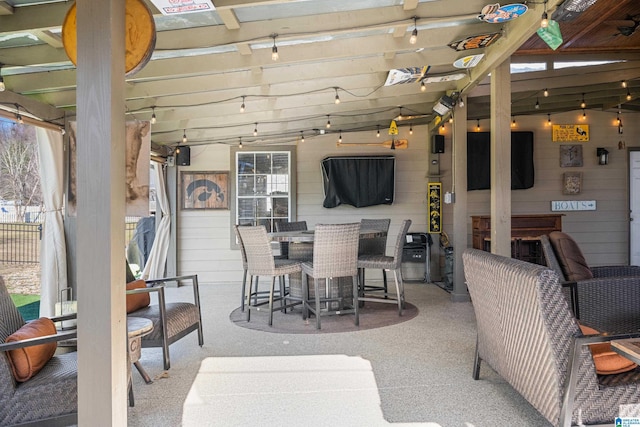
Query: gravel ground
[{"x": 21, "y": 278}]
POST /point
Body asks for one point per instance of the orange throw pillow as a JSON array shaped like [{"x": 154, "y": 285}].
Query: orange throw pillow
[
  {"x": 27, "y": 361},
  {"x": 606, "y": 360},
  {"x": 137, "y": 301}
]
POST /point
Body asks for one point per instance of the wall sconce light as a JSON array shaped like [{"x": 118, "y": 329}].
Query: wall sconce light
[{"x": 603, "y": 156}]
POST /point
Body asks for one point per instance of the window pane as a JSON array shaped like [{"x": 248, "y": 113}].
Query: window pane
[
  {"x": 281, "y": 163},
  {"x": 263, "y": 162},
  {"x": 246, "y": 186},
  {"x": 280, "y": 207},
  {"x": 245, "y": 164}
]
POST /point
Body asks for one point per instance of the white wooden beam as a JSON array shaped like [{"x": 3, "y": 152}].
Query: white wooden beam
[
  {"x": 229, "y": 18},
  {"x": 5, "y": 8},
  {"x": 53, "y": 40}
]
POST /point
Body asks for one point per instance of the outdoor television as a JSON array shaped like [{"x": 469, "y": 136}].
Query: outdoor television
[
  {"x": 359, "y": 181},
  {"x": 479, "y": 160}
]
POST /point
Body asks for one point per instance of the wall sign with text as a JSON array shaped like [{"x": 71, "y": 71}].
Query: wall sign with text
[
  {"x": 573, "y": 205},
  {"x": 565, "y": 133},
  {"x": 434, "y": 196}
]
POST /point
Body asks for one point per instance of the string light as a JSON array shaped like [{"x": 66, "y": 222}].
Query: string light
[
  {"x": 378, "y": 134},
  {"x": 393, "y": 144},
  {"x": 624, "y": 84},
  {"x": 274, "y": 49},
  {"x": 240, "y": 145},
  {"x": 414, "y": 34},
  {"x": 301, "y": 136},
  {"x": 478, "y": 125},
  {"x": 184, "y": 136},
  {"x": 153, "y": 116},
  {"x": 628, "y": 95},
  {"x": 328, "y": 122},
  {"x": 548, "y": 119},
  {"x": 242, "y": 106},
  {"x": 400, "y": 114},
  {"x": 583, "y": 104},
  {"x": 442, "y": 128},
  {"x": 423, "y": 87},
  {"x": 255, "y": 130},
  {"x": 337, "y": 99},
  {"x": 450, "y": 119},
  {"x": 461, "y": 102},
  {"x": 2, "y": 86},
  {"x": 410, "y": 129},
  {"x": 584, "y": 114},
  {"x": 545, "y": 93},
  {"x": 513, "y": 121},
  {"x": 340, "y": 137},
  {"x": 537, "y": 106},
  {"x": 544, "y": 22}
]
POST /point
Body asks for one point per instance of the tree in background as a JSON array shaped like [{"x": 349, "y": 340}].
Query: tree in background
[{"x": 19, "y": 177}]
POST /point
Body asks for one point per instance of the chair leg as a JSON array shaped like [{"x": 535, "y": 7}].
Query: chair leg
[
  {"x": 305, "y": 296},
  {"x": 318, "y": 302},
  {"x": 355, "y": 300},
  {"x": 255, "y": 292},
  {"x": 384, "y": 281},
  {"x": 476, "y": 364},
  {"x": 131, "y": 400},
  {"x": 398, "y": 292},
  {"x": 248, "y": 297},
  {"x": 283, "y": 293},
  {"x": 273, "y": 286},
  {"x": 361, "y": 286},
  {"x": 243, "y": 295}
]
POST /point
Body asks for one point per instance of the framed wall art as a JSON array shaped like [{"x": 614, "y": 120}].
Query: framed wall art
[
  {"x": 570, "y": 156},
  {"x": 204, "y": 190},
  {"x": 572, "y": 183}
]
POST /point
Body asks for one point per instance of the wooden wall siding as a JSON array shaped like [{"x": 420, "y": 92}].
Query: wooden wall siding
[
  {"x": 601, "y": 234},
  {"x": 203, "y": 237}
]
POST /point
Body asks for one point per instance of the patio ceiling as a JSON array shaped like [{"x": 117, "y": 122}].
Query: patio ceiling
[{"x": 205, "y": 65}]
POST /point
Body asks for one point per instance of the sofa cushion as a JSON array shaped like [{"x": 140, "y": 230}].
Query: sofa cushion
[
  {"x": 27, "y": 361},
  {"x": 606, "y": 360},
  {"x": 137, "y": 301},
  {"x": 570, "y": 257}
]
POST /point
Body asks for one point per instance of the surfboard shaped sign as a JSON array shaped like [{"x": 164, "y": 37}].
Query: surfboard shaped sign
[
  {"x": 468, "y": 61},
  {"x": 474, "y": 42},
  {"x": 496, "y": 14}
]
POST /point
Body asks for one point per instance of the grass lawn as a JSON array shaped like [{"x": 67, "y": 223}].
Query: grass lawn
[{"x": 19, "y": 299}]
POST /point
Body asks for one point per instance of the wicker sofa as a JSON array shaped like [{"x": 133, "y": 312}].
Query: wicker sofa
[{"x": 528, "y": 335}]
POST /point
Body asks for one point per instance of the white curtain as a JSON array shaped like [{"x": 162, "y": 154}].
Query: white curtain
[
  {"x": 53, "y": 248},
  {"x": 154, "y": 268}
]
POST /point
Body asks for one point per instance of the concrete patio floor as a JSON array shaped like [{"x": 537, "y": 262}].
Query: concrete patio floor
[{"x": 417, "y": 372}]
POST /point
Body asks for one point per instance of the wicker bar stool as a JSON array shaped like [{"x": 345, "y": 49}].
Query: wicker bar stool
[
  {"x": 335, "y": 255},
  {"x": 373, "y": 246},
  {"x": 260, "y": 262},
  {"x": 389, "y": 263}
]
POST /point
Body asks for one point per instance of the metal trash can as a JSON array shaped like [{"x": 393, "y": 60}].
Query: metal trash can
[{"x": 416, "y": 254}]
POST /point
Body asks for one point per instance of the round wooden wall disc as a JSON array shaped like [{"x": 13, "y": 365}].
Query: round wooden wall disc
[{"x": 140, "y": 37}]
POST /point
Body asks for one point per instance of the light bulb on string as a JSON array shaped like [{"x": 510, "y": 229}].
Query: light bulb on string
[
  {"x": 423, "y": 87},
  {"x": 337, "y": 98},
  {"x": 584, "y": 114},
  {"x": 544, "y": 22},
  {"x": 549, "y": 119},
  {"x": 628, "y": 95},
  {"x": 301, "y": 136},
  {"x": 451, "y": 119},
  {"x": 240, "y": 145},
  {"x": 400, "y": 114},
  {"x": 442, "y": 128},
  {"x": 583, "y": 104},
  {"x": 537, "y": 106},
  {"x": 624, "y": 84},
  {"x": 410, "y": 129},
  {"x": 340, "y": 137},
  {"x": 184, "y": 136},
  {"x": 461, "y": 102},
  {"x": 153, "y": 115},
  {"x": 378, "y": 133},
  {"x": 414, "y": 34},
  {"x": 328, "y": 122},
  {"x": 513, "y": 121},
  {"x": 545, "y": 93},
  {"x": 478, "y": 125},
  {"x": 274, "y": 49},
  {"x": 242, "y": 106},
  {"x": 255, "y": 130}
]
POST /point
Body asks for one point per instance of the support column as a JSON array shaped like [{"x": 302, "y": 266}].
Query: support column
[
  {"x": 102, "y": 368},
  {"x": 501, "y": 159},
  {"x": 460, "y": 211}
]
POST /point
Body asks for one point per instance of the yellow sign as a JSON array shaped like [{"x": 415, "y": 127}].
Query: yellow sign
[
  {"x": 393, "y": 128},
  {"x": 565, "y": 133},
  {"x": 434, "y": 196}
]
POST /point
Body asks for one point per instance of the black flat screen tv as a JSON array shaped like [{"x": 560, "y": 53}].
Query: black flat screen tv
[
  {"x": 359, "y": 181},
  {"x": 479, "y": 160}
]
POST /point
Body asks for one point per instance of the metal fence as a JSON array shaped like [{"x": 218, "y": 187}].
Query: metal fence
[{"x": 20, "y": 243}]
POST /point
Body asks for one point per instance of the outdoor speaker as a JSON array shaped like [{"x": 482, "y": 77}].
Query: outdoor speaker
[
  {"x": 183, "y": 155},
  {"x": 437, "y": 144}
]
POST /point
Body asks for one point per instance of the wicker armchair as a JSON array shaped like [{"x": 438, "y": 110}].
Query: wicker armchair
[
  {"x": 260, "y": 262},
  {"x": 387, "y": 263},
  {"x": 374, "y": 246},
  {"x": 609, "y": 301},
  {"x": 171, "y": 320},
  {"x": 528, "y": 335},
  {"x": 335, "y": 255},
  {"x": 50, "y": 398}
]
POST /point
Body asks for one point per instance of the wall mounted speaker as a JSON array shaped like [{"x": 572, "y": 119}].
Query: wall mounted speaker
[
  {"x": 437, "y": 144},
  {"x": 183, "y": 155}
]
